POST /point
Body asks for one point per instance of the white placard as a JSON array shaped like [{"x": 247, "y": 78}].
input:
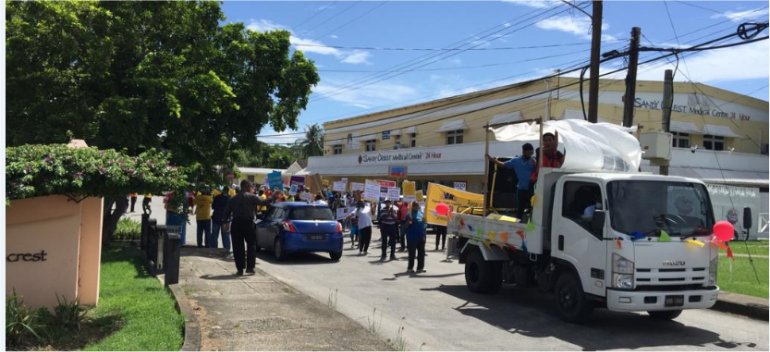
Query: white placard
[
  {"x": 460, "y": 185},
  {"x": 293, "y": 190},
  {"x": 339, "y": 186},
  {"x": 394, "y": 193},
  {"x": 307, "y": 196},
  {"x": 342, "y": 213},
  {"x": 372, "y": 190},
  {"x": 355, "y": 186}
]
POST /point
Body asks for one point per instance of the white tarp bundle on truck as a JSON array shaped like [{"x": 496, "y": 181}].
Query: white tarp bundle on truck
[{"x": 589, "y": 146}]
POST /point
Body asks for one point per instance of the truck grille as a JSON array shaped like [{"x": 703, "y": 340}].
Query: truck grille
[{"x": 663, "y": 277}]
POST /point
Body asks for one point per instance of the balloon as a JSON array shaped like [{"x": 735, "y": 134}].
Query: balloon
[
  {"x": 442, "y": 209},
  {"x": 724, "y": 230}
]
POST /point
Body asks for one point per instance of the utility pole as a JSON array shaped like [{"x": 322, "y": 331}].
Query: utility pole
[
  {"x": 668, "y": 101},
  {"x": 633, "y": 62},
  {"x": 596, "y": 40}
]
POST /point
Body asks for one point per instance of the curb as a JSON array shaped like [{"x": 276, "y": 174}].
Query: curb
[
  {"x": 752, "y": 307},
  {"x": 192, "y": 331}
]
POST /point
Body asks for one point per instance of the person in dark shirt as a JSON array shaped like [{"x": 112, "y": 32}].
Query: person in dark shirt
[
  {"x": 523, "y": 166},
  {"x": 242, "y": 210},
  {"x": 388, "y": 222},
  {"x": 218, "y": 220}
]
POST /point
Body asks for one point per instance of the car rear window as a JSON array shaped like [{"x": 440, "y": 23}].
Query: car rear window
[{"x": 311, "y": 213}]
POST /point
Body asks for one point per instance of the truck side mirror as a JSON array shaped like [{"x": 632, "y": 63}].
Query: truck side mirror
[
  {"x": 597, "y": 222},
  {"x": 746, "y": 218}
]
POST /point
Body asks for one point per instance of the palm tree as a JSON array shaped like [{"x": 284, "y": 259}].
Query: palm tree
[{"x": 313, "y": 144}]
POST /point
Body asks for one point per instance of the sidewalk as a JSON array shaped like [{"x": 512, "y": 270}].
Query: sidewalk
[
  {"x": 753, "y": 307},
  {"x": 258, "y": 312}
]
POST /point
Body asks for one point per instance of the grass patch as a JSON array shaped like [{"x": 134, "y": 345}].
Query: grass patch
[
  {"x": 754, "y": 247},
  {"x": 149, "y": 320},
  {"x": 135, "y": 312},
  {"x": 741, "y": 278},
  {"x": 128, "y": 230}
]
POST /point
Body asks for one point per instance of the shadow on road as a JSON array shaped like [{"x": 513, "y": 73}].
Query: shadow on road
[
  {"x": 296, "y": 258},
  {"x": 532, "y": 314}
]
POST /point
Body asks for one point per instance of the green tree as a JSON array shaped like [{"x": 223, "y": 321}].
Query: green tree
[
  {"x": 313, "y": 144},
  {"x": 140, "y": 75}
]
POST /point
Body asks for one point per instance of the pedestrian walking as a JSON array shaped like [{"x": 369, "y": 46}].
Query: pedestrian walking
[
  {"x": 388, "y": 222},
  {"x": 415, "y": 238},
  {"x": 241, "y": 209},
  {"x": 218, "y": 223},
  {"x": 133, "y": 200},
  {"x": 440, "y": 236},
  {"x": 202, "y": 203},
  {"x": 146, "y": 204},
  {"x": 364, "y": 215},
  {"x": 403, "y": 211}
]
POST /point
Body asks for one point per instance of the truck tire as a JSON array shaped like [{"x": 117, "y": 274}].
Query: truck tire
[
  {"x": 574, "y": 306},
  {"x": 482, "y": 276},
  {"x": 664, "y": 314}
]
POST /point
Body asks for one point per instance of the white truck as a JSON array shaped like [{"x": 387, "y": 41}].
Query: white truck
[{"x": 645, "y": 247}]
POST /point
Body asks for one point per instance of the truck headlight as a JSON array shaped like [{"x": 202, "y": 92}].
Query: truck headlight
[
  {"x": 622, "y": 272},
  {"x": 624, "y": 281},
  {"x": 713, "y": 268}
]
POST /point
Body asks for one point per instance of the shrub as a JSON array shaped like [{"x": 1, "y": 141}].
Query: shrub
[
  {"x": 22, "y": 324},
  {"x": 68, "y": 314},
  {"x": 127, "y": 229}
]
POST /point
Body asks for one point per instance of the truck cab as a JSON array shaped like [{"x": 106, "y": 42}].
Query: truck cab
[{"x": 624, "y": 241}]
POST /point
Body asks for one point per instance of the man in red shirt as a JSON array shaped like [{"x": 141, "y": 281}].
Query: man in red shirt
[{"x": 552, "y": 157}]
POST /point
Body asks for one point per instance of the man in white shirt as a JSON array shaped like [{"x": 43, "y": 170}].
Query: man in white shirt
[{"x": 364, "y": 215}]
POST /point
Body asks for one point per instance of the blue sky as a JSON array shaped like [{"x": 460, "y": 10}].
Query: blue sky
[{"x": 377, "y": 55}]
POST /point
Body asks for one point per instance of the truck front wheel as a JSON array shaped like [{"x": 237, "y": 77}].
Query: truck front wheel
[
  {"x": 574, "y": 306},
  {"x": 664, "y": 314},
  {"x": 482, "y": 276}
]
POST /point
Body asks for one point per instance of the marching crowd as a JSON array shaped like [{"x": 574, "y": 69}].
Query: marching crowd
[{"x": 230, "y": 212}]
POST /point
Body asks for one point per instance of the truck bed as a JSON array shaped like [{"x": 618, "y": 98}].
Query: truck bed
[{"x": 494, "y": 231}]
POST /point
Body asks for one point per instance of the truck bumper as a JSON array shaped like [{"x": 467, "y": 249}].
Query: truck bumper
[{"x": 631, "y": 301}]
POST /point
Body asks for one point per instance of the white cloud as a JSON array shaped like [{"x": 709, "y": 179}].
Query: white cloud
[
  {"x": 333, "y": 36},
  {"x": 740, "y": 16},
  {"x": 284, "y": 137},
  {"x": 367, "y": 96},
  {"x": 357, "y": 57},
  {"x": 579, "y": 26},
  {"x": 310, "y": 45},
  {"x": 538, "y": 4}
]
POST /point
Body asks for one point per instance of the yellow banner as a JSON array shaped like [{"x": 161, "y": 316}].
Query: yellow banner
[
  {"x": 456, "y": 200},
  {"x": 408, "y": 190}
]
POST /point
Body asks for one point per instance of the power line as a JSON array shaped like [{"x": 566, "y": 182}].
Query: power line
[
  {"x": 421, "y": 61},
  {"x": 440, "y": 49},
  {"x": 317, "y": 12},
  {"x": 334, "y": 16},
  {"x": 351, "y": 21}
]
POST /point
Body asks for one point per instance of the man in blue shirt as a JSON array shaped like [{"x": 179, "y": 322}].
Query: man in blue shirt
[{"x": 523, "y": 166}]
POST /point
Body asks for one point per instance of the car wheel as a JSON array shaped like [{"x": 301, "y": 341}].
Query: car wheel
[
  {"x": 482, "y": 276},
  {"x": 574, "y": 306},
  {"x": 278, "y": 250},
  {"x": 335, "y": 255},
  {"x": 664, "y": 314}
]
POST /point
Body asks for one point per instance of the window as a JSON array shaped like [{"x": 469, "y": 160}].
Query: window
[
  {"x": 250, "y": 178},
  {"x": 337, "y": 149},
  {"x": 311, "y": 213},
  {"x": 680, "y": 140},
  {"x": 397, "y": 143},
  {"x": 414, "y": 140},
  {"x": 713, "y": 142},
  {"x": 371, "y": 145},
  {"x": 454, "y": 137}
]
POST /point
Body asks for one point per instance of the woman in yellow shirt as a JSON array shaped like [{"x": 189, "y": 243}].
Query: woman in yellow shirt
[{"x": 203, "y": 217}]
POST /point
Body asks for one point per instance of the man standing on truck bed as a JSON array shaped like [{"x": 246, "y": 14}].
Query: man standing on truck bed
[
  {"x": 552, "y": 157},
  {"x": 523, "y": 166}
]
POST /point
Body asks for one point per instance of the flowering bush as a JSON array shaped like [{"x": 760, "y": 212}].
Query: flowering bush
[{"x": 40, "y": 170}]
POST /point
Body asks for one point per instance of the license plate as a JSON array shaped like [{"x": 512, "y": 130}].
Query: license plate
[
  {"x": 674, "y": 301},
  {"x": 316, "y": 237}
]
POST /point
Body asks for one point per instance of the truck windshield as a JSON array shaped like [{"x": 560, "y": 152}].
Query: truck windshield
[{"x": 680, "y": 209}]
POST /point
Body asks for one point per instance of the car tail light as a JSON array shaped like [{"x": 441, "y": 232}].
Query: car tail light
[
  {"x": 339, "y": 227},
  {"x": 288, "y": 226}
]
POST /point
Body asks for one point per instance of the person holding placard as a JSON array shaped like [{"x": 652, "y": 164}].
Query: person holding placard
[{"x": 364, "y": 215}]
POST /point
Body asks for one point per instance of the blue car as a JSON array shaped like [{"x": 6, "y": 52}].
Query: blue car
[{"x": 292, "y": 227}]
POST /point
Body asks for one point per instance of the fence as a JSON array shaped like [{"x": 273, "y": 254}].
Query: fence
[{"x": 161, "y": 245}]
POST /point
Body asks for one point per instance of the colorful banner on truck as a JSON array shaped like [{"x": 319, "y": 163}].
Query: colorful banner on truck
[{"x": 451, "y": 200}]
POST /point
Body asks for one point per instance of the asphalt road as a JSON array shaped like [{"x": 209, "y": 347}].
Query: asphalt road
[{"x": 435, "y": 311}]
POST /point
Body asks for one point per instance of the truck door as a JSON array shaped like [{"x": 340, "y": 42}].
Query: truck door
[{"x": 572, "y": 239}]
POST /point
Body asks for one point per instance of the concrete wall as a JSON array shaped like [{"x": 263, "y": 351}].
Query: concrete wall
[{"x": 53, "y": 247}]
